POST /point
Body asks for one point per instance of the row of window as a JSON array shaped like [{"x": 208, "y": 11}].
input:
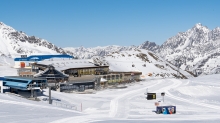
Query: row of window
[
  {"x": 26, "y": 75},
  {"x": 84, "y": 70},
  {"x": 76, "y": 87},
  {"x": 112, "y": 77}
]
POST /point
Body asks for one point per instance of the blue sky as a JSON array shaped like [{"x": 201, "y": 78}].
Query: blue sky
[{"x": 90, "y": 23}]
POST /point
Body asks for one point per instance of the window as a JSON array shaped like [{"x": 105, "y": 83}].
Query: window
[
  {"x": 113, "y": 76},
  {"x": 108, "y": 77},
  {"x": 117, "y": 76}
]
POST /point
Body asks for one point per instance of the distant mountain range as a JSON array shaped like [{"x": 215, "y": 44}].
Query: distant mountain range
[{"x": 196, "y": 49}]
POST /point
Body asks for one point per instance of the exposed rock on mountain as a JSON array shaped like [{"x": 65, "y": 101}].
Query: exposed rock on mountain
[
  {"x": 84, "y": 53},
  {"x": 14, "y": 43},
  {"x": 196, "y": 50},
  {"x": 149, "y": 46}
]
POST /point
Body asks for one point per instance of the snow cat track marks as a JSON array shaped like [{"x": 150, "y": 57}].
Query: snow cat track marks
[
  {"x": 174, "y": 85},
  {"x": 195, "y": 103},
  {"x": 114, "y": 104},
  {"x": 188, "y": 101}
]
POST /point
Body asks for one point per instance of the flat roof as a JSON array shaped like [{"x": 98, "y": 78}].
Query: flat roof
[
  {"x": 69, "y": 64},
  {"x": 19, "y": 77}
]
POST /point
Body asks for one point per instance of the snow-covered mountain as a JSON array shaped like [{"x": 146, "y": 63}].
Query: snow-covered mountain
[
  {"x": 140, "y": 60},
  {"x": 152, "y": 46},
  {"x": 196, "y": 49},
  {"x": 13, "y": 43},
  {"x": 85, "y": 53}
]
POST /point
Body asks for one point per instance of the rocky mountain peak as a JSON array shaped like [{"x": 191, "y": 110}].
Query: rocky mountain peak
[
  {"x": 195, "y": 47},
  {"x": 1, "y": 23},
  {"x": 199, "y": 28},
  {"x": 149, "y": 46},
  {"x": 13, "y": 43}
]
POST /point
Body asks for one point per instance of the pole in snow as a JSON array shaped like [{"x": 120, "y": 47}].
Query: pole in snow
[
  {"x": 81, "y": 107},
  {"x": 163, "y": 98},
  {"x": 50, "y": 101}
]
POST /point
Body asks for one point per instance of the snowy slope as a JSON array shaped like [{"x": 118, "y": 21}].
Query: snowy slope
[
  {"x": 14, "y": 43},
  {"x": 196, "y": 99},
  {"x": 7, "y": 67},
  {"x": 16, "y": 109},
  {"x": 143, "y": 60}
]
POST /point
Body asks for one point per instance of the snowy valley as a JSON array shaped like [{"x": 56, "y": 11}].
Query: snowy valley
[{"x": 196, "y": 99}]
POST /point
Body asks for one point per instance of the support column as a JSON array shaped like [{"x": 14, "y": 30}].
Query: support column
[
  {"x": 32, "y": 93},
  {"x": 1, "y": 86}
]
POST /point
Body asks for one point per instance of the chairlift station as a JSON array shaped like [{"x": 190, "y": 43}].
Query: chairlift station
[{"x": 63, "y": 73}]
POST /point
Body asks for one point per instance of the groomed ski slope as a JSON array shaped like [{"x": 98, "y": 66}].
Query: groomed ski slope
[
  {"x": 130, "y": 104},
  {"x": 123, "y": 105}
]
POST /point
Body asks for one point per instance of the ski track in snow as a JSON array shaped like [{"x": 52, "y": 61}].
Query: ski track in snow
[
  {"x": 35, "y": 105},
  {"x": 120, "y": 106},
  {"x": 188, "y": 101},
  {"x": 6, "y": 62}
]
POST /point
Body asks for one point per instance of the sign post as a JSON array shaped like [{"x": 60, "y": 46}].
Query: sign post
[{"x": 163, "y": 94}]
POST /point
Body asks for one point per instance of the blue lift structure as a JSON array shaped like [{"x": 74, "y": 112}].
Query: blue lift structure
[
  {"x": 24, "y": 83},
  {"x": 41, "y": 57}
]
